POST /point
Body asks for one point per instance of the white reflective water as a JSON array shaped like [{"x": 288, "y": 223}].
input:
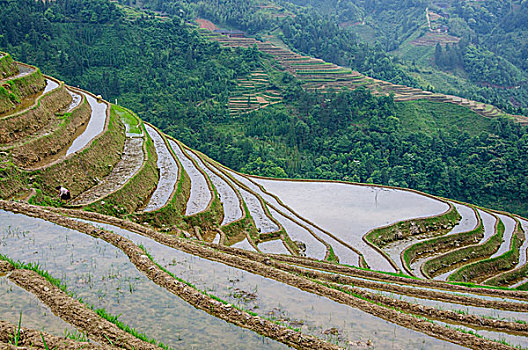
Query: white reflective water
[
  {"x": 349, "y": 211},
  {"x": 95, "y": 125},
  {"x": 168, "y": 168},
  {"x": 200, "y": 196}
]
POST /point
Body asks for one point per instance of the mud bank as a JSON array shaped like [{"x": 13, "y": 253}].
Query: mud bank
[
  {"x": 261, "y": 267},
  {"x": 194, "y": 297},
  {"x": 32, "y": 339},
  {"x": 77, "y": 314}
]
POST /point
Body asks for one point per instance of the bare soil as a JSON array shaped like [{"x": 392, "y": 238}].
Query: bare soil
[
  {"x": 131, "y": 160},
  {"x": 32, "y": 339}
]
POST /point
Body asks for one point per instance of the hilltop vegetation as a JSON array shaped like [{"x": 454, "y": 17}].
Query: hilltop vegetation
[{"x": 176, "y": 79}]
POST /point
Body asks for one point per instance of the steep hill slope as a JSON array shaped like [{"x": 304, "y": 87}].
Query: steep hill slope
[{"x": 177, "y": 224}]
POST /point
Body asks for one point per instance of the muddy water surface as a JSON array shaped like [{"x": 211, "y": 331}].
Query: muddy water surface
[
  {"x": 200, "y": 196},
  {"x": 168, "y": 168},
  {"x": 227, "y": 195},
  {"x": 22, "y": 71},
  {"x": 522, "y": 250},
  {"x": 267, "y": 297},
  {"x": 95, "y": 125},
  {"x": 103, "y": 276},
  {"x": 35, "y": 315},
  {"x": 50, "y": 85},
  {"x": 350, "y": 211},
  {"x": 467, "y": 223},
  {"x": 296, "y": 232},
  {"x": 244, "y": 244},
  {"x": 513, "y": 340},
  {"x": 263, "y": 223}
]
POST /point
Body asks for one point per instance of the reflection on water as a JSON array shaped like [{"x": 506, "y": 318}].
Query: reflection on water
[
  {"x": 349, "y": 211},
  {"x": 200, "y": 194},
  {"x": 103, "y": 276},
  {"x": 35, "y": 315},
  {"x": 95, "y": 125},
  {"x": 311, "y": 313}
]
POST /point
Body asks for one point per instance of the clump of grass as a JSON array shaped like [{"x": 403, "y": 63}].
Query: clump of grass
[{"x": 101, "y": 312}]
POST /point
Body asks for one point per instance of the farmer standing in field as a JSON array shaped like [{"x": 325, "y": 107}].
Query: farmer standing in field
[{"x": 64, "y": 193}]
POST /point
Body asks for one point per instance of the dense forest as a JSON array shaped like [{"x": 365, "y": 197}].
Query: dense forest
[
  {"x": 170, "y": 75},
  {"x": 490, "y": 58}
]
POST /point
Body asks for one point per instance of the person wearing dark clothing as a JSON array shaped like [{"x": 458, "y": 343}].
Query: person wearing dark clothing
[{"x": 64, "y": 193}]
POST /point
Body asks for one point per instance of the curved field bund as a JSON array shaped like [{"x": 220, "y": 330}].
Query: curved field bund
[{"x": 297, "y": 261}]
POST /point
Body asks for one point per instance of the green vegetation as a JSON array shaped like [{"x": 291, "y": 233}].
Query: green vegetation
[
  {"x": 450, "y": 260},
  {"x": 8, "y": 67},
  {"x": 184, "y": 89},
  {"x": 438, "y": 225},
  {"x": 63, "y": 287},
  {"x": 132, "y": 195},
  {"x": 129, "y": 119},
  {"x": 442, "y": 244},
  {"x": 483, "y": 269}
]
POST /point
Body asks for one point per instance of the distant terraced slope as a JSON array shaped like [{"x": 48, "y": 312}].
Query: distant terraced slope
[{"x": 319, "y": 75}]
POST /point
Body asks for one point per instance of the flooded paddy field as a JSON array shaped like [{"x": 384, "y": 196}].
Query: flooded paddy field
[
  {"x": 200, "y": 194},
  {"x": 467, "y": 222},
  {"x": 349, "y": 211},
  {"x": 314, "y": 248},
  {"x": 18, "y": 304},
  {"x": 226, "y": 193},
  {"x": 311, "y": 313},
  {"x": 95, "y": 126},
  {"x": 168, "y": 168},
  {"x": 103, "y": 276}
]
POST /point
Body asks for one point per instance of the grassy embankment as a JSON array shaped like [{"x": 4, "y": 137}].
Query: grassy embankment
[
  {"x": 483, "y": 269},
  {"x": 466, "y": 255},
  {"x": 443, "y": 244},
  {"x": 14, "y": 90},
  {"x": 17, "y": 126},
  {"x": 41, "y": 149}
]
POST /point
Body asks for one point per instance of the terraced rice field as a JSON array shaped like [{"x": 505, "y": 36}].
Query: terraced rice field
[
  {"x": 195, "y": 255},
  {"x": 323, "y": 76},
  {"x": 252, "y": 93}
]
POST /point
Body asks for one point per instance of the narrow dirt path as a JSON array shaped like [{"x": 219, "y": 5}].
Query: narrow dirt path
[{"x": 128, "y": 165}]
